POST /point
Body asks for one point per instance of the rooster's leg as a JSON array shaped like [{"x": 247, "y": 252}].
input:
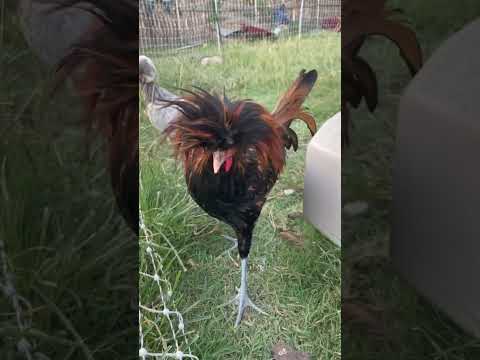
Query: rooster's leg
[{"x": 242, "y": 297}]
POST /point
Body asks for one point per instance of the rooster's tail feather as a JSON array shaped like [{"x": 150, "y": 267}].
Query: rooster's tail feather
[{"x": 289, "y": 107}]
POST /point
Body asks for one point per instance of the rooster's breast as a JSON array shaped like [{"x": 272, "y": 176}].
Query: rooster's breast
[{"x": 234, "y": 198}]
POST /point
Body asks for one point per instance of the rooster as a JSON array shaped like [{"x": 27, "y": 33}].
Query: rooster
[{"x": 233, "y": 153}]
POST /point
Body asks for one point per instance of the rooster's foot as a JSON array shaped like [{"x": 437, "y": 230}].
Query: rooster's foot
[{"x": 242, "y": 299}]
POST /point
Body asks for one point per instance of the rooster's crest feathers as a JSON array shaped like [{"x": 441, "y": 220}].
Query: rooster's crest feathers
[{"x": 207, "y": 123}]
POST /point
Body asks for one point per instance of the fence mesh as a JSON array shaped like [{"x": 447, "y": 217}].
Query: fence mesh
[
  {"x": 171, "y": 26},
  {"x": 20, "y": 306},
  {"x": 160, "y": 319}
]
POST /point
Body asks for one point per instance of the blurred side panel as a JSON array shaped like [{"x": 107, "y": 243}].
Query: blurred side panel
[
  {"x": 69, "y": 179},
  {"x": 409, "y": 229}
]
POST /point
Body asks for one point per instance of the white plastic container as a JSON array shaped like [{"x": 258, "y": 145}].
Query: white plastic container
[
  {"x": 436, "y": 199},
  {"x": 322, "y": 190}
]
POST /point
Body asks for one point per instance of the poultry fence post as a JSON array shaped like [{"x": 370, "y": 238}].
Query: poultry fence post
[
  {"x": 300, "y": 20},
  {"x": 217, "y": 24},
  {"x": 179, "y": 31}
]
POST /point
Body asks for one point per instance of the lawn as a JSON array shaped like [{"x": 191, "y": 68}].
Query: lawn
[
  {"x": 296, "y": 282},
  {"x": 393, "y": 322}
]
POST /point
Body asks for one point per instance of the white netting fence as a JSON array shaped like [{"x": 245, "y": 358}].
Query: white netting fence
[
  {"x": 161, "y": 326},
  {"x": 171, "y": 26},
  {"x": 24, "y": 346}
]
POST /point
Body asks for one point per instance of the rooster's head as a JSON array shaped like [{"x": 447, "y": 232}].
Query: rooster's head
[{"x": 212, "y": 133}]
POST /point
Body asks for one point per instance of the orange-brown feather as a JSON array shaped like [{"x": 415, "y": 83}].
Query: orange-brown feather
[
  {"x": 289, "y": 107},
  {"x": 272, "y": 149},
  {"x": 187, "y": 139}
]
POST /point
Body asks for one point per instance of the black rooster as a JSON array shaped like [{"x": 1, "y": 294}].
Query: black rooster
[{"x": 233, "y": 153}]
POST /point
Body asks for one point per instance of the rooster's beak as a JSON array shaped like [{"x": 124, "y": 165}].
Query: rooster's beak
[{"x": 218, "y": 160}]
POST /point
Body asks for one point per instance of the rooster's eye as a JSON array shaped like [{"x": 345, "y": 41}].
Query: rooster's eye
[
  {"x": 225, "y": 143},
  {"x": 236, "y": 136}
]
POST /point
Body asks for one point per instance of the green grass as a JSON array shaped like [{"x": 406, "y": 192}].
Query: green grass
[
  {"x": 402, "y": 325},
  {"x": 299, "y": 286}
]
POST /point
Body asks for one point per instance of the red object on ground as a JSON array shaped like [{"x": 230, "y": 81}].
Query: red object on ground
[
  {"x": 332, "y": 23},
  {"x": 250, "y": 32},
  {"x": 255, "y": 31}
]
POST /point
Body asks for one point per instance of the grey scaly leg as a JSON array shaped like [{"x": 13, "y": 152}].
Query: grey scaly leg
[{"x": 242, "y": 297}]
